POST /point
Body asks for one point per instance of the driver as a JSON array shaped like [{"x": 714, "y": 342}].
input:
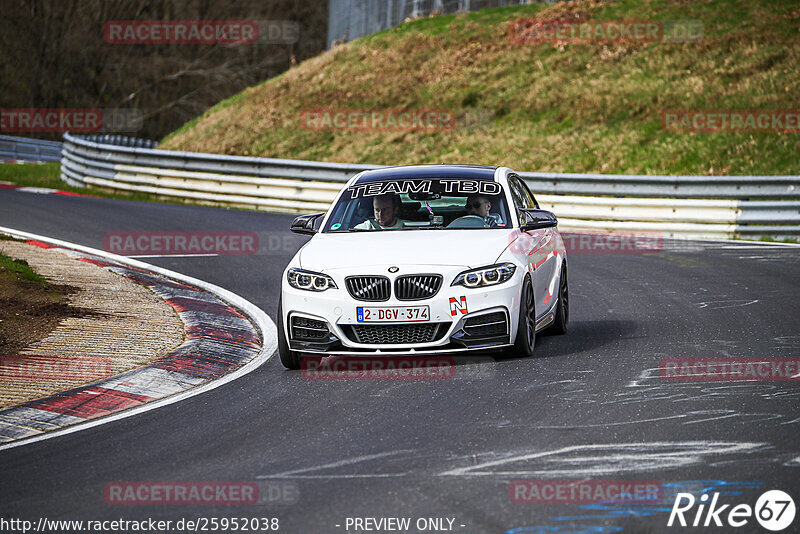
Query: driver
[
  {"x": 386, "y": 208},
  {"x": 479, "y": 206}
]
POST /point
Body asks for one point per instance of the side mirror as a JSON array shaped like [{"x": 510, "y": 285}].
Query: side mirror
[
  {"x": 304, "y": 224},
  {"x": 537, "y": 219}
]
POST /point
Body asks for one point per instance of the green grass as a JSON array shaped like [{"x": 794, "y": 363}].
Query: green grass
[
  {"x": 33, "y": 175},
  {"x": 770, "y": 239},
  {"x": 20, "y": 270},
  {"x": 548, "y": 107}
]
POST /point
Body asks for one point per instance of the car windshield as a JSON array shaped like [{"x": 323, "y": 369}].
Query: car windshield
[{"x": 420, "y": 204}]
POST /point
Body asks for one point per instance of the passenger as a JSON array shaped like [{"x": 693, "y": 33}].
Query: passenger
[{"x": 387, "y": 209}]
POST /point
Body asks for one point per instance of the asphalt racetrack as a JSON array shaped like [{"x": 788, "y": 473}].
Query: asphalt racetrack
[{"x": 590, "y": 405}]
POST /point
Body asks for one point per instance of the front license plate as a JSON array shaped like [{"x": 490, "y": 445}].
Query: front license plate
[{"x": 392, "y": 314}]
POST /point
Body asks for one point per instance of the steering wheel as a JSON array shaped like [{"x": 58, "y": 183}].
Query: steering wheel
[{"x": 469, "y": 221}]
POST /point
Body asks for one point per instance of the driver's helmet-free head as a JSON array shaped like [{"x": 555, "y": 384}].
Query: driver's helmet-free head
[{"x": 476, "y": 201}]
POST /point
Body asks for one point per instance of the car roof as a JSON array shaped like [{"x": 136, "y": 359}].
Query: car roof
[{"x": 467, "y": 172}]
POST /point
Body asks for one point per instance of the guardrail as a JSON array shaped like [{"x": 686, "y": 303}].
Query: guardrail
[
  {"x": 687, "y": 206},
  {"x": 25, "y": 149},
  {"x": 120, "y": 140}
]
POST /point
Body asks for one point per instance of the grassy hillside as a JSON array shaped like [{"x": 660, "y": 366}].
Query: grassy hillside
[{"x": 550, "y": 106}]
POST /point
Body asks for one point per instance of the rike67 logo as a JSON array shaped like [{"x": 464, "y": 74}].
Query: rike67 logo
[{"x": 774, "y": 511}]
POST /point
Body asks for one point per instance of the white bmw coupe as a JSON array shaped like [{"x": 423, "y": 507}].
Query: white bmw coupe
[{"x": 428, "y": 259}]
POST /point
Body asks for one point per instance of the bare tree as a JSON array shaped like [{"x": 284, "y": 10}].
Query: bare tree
[{"x": 53, "y": 55}]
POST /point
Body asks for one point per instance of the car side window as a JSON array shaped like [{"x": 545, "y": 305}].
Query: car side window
[
  {"x": 531, "y": 199},
  {"x": 520, "y": 189},
  {"x": 518, "y": 197},
  {"x": 516, "y": 194}
]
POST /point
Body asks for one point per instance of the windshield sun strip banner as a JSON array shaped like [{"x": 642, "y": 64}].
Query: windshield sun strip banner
[{"x": 447, "y": 186}]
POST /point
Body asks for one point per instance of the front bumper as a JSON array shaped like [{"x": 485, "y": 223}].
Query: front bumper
[{"x": 325, "y": 323}]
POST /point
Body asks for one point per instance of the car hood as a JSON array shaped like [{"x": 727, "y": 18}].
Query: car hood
[{"x": 467, "y": 248}]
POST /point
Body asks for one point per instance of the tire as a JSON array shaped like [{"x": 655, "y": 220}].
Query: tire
[
  {"x": 289, "y": 358},
  {"x": 559, "y": 326},
  {"x": 526, "y": 324}
]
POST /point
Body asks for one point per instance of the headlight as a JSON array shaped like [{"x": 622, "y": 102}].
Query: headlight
[
  {"x": 310, "y": 281},
  {"x": 485, "y": 276}
]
